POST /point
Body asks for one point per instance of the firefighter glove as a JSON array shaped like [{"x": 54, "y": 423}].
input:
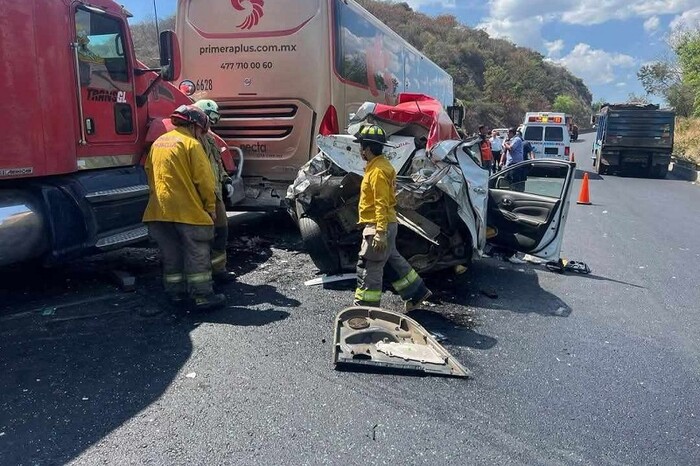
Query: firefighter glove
[
  {"x": 229, "y": 189},
  {"x": 380, "y": 242}
]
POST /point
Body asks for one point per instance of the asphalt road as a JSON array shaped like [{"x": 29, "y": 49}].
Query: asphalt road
[{"x": 568, "y": 369}]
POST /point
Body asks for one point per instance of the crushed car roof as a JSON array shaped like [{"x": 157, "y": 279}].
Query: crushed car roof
[{"x": 417, "y": 109}]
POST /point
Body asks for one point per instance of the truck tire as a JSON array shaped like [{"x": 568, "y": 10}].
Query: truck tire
[
  {"x": 658, "y": 171},
  {"x": 599, "y": 167},
  {"x": 323, "y": 256}
]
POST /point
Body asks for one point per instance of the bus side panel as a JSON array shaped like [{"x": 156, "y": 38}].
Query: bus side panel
[
  {"x": 267, "y": 72},
  {"x": 375, "y": 64}
]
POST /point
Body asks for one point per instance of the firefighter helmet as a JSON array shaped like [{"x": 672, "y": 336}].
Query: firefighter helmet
[
  {"x": 210, "y": 108},
  {"x": 190, "y": 115},
  {"x": 371, "y": 133}
]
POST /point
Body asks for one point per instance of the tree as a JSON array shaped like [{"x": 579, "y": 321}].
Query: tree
[
  {"x": 595, "y": 106},
  {"x": 145, "y": 37},
  {"x": 657, "y": 78},
  {"x": 687, "y": 48},
  {"x": 637, "y": 99},
  {"x": 677, "y": 79},
  {"x": 565, "y": 104},
  {"x": 681, "y": 97}
]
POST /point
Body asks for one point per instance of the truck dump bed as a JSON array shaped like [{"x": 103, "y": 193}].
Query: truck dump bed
[{"x": 639, "y": 127}]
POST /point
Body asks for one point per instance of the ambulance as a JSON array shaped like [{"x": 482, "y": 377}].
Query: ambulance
[{"x": 548, "y": 133}]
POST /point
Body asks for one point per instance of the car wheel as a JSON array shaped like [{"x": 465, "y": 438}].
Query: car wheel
[{"x": 323, "y": 256}]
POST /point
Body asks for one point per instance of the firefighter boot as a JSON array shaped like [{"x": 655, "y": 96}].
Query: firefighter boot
[
  {"x": 212, "y": 301},
  {"x": 417, "y": 303},
  {"x": 224, "y": 277}
]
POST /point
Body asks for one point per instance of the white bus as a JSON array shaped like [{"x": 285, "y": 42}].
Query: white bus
[{"x": 284, "y": 71}]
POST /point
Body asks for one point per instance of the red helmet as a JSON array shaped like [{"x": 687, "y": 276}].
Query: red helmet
[{"x": 190, "y": 115}]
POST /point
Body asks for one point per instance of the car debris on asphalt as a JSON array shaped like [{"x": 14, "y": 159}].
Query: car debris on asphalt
[
  {"x": 383, "y": 339},
  {"x": 330, "y": 279}
]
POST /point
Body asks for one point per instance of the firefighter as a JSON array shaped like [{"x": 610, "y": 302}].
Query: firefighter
[
  {"x": 181, "y": 208},
  {"x": 222, "y": 181},
  {"x": 377, "y": 214}
]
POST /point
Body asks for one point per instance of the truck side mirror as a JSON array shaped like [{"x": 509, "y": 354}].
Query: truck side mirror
[
  {"x": 456, "y": 114},
  {"x": 593, "y": 119},
  {"x": 170, "y": 61}
]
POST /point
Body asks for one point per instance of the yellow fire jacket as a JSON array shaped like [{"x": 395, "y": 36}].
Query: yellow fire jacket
[
  {"x": 377, "y": 194},
  {"x": 181, "y": 180}
]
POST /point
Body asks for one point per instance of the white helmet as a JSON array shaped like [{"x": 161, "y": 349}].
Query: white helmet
[{"x": 211, "y": 109}]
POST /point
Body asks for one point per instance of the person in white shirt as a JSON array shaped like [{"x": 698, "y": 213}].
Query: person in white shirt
[{"x": 496, "y": 148}]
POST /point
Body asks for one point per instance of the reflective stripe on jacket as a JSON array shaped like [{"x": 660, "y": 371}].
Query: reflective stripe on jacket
[
  {"x": 377, "y": 194},
  {"x": 181, "y": 180}
]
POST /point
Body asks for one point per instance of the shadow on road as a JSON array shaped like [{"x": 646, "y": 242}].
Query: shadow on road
[
  {"x": 79, "y": 358},
  {"x": 592, "y": 176},
  {"x": 457, "y": 328},
  {"x": 592, "y": 276},
  {"x": 498, "y": 285}
]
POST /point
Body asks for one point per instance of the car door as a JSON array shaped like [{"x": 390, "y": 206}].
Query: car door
[
  {"x": 528, "y": 204},
  {"x": 106, "y": 89}
]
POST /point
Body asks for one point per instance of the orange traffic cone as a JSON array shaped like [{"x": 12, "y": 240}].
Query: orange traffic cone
[
  {"x": 572, "y": 158},
  {"x": 584, "y": 196}
]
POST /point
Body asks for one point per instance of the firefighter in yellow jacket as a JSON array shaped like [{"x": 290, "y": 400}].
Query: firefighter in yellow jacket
[
  {"x": 377, "y": 214},
  {"x": 182, "y": 208},
  {"x": 223, "y": 185}
]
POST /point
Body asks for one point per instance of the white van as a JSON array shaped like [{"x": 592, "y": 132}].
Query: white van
[{"x": 548, "y": 134}]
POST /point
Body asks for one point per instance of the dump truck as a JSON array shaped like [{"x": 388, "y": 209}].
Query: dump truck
[{"x": 633, "y": 138}]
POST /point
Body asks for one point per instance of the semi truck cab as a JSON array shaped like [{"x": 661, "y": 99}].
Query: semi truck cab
[{"x": 78, "y": 115}]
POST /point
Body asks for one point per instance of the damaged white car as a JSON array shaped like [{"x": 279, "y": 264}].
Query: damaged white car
[{"x": 448, "y": 207}]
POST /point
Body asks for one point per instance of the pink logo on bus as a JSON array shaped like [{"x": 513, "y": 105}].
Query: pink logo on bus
[{"x": 254, "y": 15}]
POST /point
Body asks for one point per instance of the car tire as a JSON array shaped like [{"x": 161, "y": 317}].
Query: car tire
[{"x": 323, "y": 256}]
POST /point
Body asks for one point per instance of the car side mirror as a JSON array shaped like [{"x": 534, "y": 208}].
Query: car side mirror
[{"x": 170, "y": 62}]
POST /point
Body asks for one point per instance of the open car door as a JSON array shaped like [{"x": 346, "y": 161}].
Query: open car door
[{"x": 528, "y": 204}]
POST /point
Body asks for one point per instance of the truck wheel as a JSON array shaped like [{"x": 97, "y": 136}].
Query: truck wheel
[
  {"x": 324, "y": 257},
  {"x": 658, "y": 171},
  {"x": 599, "y": 167}
]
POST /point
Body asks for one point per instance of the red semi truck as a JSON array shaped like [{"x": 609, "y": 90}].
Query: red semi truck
[{"x": 79, "y": 112}]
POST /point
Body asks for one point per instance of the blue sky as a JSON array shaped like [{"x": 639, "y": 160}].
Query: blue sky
[{"x": 604, "y": 42}]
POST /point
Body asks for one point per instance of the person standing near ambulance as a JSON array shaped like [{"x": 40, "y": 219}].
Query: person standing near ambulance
[
  {"x": 496, "y": 148},
  {"x": 221, "y": 181},
  {"x": 377, "y": 213},
  {"x": 485, "y": 149},
  {"x": 182, "y": 208}
]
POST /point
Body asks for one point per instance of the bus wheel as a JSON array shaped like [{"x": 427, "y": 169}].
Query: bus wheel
[{"x": 323, "y": 256}]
